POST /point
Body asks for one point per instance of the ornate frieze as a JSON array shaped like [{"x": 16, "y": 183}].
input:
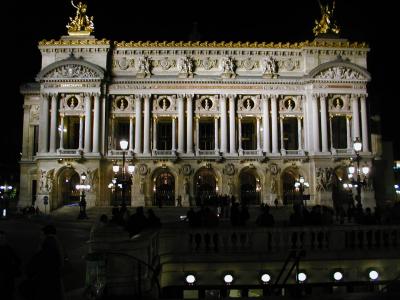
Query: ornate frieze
[
  {"x": 72, "y": 71},
  {"x": 340, "y": 73},
  {"x": 72, "y": 104},
  {"x": 164, "y": 105},
  {"x": 324, "y": 179},
  {"x": 186, "y": 67},
  {"x": 290, "y": 105},
  {"x": 34, "y": 114},
  {"x": 228, "y": 66},
  {"x": 143, "y": 67},
  {"x": 339, "y": 104},
  {"x": 123, "y": 63},
  {"x": 123, "y": 105},
  {"x": 249, "y": 105},
  {"x": 207, "y": 105}
]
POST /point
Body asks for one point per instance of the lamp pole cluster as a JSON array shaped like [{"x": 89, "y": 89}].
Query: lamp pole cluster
[
  {"x": 357, "y": 175},
  {"x": 5, "y": 197},
  {"x": 300, "y": 186},
  {"x": 122, "y": 181},
  {"x": 82, "y": 203}
]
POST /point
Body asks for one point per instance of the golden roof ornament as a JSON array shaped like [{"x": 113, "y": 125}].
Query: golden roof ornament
[
  {"x": 81, "y": 24},
  {"x": 326, "y": 25}
]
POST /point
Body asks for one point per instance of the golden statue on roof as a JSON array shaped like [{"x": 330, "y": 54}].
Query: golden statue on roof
[
  {"x": 81, "y": 24},
  {"x": 326, "y": 25}
]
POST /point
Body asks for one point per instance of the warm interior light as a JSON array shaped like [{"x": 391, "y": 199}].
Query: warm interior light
[
  {"x": 190, "y": 279},
  {"x": 265, "y": 278},
  {"x": 115, "y": 168},
  {"x": 131, "y": 169},
  {"x": 301, "y": 277},
  {"x": 123, "y": 144},
  {"x": 352, "y": 169},
  {"x": 228, "y": 278},
  {"x": 337, "y": 276},
  {"x": 365, "y": 170},
  {"x": 301, "y": 179},
  {"x": 345, "y": 185},
  {"x": 373, "y": 275},
  {"x": 83, "y": 176}
]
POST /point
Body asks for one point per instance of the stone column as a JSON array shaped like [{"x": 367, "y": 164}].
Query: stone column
[
  {"x": 266, "y": 133},
  {"x": 356, "y": 117},
  {"x": 173, "y": 148},
  {"x": 146, "y": 126},
  {"x": 104, "y": 130},
  {"x": 154, "y": 133},
  {"x": 197, "y": 135},
  {"x": 62, "y": 132},
  {"x": 96, "y": 123},
  {"x": 330, "y": 130},
  {"x": 258, "y": 135},
  {"x": 224, "y": 129},
  {"x": 44, "y": 125},
  {"x": 274, "y": 117},
  {"x": 324, "y": 131},
  {"x": 315, "y": 123},
  {"x": 81, "y": 132},
  {"x": 189, "y": 125},
  {"x": 281, "y": 131},
  {"x": 130, "y": 133},
  {"x": 364, "y": 124},
  {"x": 348, "y": 132},
  {"x": 299, "y": 135},
  {"x": 88, "y": 123},
  {"x": 232, "y": 129},
  {"x": 138, "y": 124},
  {"x": 181, "y": 125},
  {"x": 53, "y": 124},
  {"x": 216, "y": 135},
  {"x": 240, "y": 135},
  {"x": 27, "y": 148}
]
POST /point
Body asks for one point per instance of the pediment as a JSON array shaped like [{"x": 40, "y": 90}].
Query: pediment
[
  {"x": 340, "y": 70},
  {"x": 71, "y": 69}
]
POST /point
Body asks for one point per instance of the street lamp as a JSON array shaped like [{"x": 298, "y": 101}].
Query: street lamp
[
  {"x": 357, "y": 171},
  {"x": 82, "y": 203},
  {"x": 300, "y": 186},
  {"x": 123, "y": 180},
  {"x": 5, "y": 190}
]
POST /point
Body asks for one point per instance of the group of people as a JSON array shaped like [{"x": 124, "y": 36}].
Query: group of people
[{"x": 42, "y": 276}]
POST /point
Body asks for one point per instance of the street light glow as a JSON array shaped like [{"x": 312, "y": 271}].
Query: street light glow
[
  {"x": 338, "y": 276},
  {"x": 190, "y": 279},
  {"x": 265, "y": 278},
  {"x": 301, "y": 277},
  {"x": 357, "y": 145},
  {"x": 373, "y": 275},
  {"x": 123, "y": 144},
  {"x": 228, "y": 278}
]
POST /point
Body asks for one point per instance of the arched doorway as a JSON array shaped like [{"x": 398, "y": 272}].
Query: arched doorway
[
  {"x": 67, "y": 181},
  {"x": 164, "y": 189},
  {"x": 289, "y": 177},
  {"x": 205, "y": 182},
  {"x": 249, "y": 187},
  {"x": 341, "y": 197}
]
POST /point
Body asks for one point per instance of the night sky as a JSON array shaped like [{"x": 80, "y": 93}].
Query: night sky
[{"x": 129, "y": 20}]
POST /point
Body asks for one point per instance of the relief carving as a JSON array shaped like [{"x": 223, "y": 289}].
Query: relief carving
[{"x": 339, "y": 73}]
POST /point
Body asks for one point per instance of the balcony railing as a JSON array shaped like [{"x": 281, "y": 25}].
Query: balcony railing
[
  {"x": 164, "y": 152},
  {"x": 251, "y": 152},
  {"x": 207, "y": 153},
  {"x": 69, "y": 151}
]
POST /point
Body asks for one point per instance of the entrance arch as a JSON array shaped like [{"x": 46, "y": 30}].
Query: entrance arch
[
  {"x": 67, "y": 192},
  {"x": 250, "y": 188},
  {"x": 164, "y": 188},
  {"x": 289, "y": 177},
  {"x": 205, "y": 183}
]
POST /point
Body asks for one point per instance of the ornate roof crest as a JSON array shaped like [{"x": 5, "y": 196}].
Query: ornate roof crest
[{"x": 81, "y": 24}]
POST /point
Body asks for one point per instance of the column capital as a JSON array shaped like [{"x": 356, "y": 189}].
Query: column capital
[
  {"x": 354, "y": 97},
  {"x": 189, "y": 96},
  {"x": 363, "y": 97},
  {"x": 273, "y": 97}
]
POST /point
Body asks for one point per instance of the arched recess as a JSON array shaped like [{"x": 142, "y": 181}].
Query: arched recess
[
  {"x": 288, "y": 179},
  {"x": 341, "y": 197},
  {"x": 250, "y": 186},
  {"x": 205, "y": 184},
  {"x": 67, "y": 194},
  {"x": 163, "y": 187}
]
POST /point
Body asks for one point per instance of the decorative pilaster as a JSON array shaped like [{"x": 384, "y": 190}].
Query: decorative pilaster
[
  {"x": 240, "y": 150},
  {"x": 232, "y": 129},
  {"x": 258, "y": 136},
  {"x": 181, "y": 125},
  {"x": 44, "y": 125},
  {"x": 281, "y": 132},
  {"x": 216, "y": 135},
  {"x": 53, "y": 124},
  {"x": 173, "y": 148},
  {"x": 189, "y": 124},
  {"x": 274, "y": 117},
  {"x": 266, "y": 133},
  {"x": 315, "y": 123},
  {"x": 130, "y": 133},
  {"x": 197, "y": 135},
  {"x": 81, "y": 132},
  {"x": 224, "y": 131},
  {"x": 324, "y": 131},
  {"x": 348, "y": 132},
  {"x": 154, "y": 133},
  {"x": 299, "y": 135},
  {"x": 356, "y": 117},
  {"x": 62, "y": 132},
  {"x": 364, "y": 124},
  {"x": 146, "y": 126},
  {"x": 96, "y": 123},
  {"x": 138, "y": 124},
  {"x": 88, "y": 122}
]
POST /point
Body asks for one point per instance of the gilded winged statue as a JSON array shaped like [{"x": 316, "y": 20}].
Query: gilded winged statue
[
  {"x": 326, "y": 25},
  {"x": 81, "y": 24}
]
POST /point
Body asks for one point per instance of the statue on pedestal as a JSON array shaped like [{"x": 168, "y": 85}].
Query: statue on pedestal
[{"x": 81, "y": 24}]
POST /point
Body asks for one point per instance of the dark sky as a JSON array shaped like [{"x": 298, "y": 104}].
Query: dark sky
[{"x": 283, "y": 20}]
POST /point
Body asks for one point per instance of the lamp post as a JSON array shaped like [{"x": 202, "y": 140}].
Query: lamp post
[
  {"x": 300, "y": 186},
  {"x": 5, "y": 197},
  {"x": 113, "y": 186},
  {"x": 124, "y": 180},
  {"x": 356, "y": 172},
  {"x": 82, "y": 203}
]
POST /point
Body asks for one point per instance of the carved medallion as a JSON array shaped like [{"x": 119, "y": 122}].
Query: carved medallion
[
  {"x": 186, "y": 169},
  {"x": 143, "y": 169},
  {"x": 229, "y": 169}
]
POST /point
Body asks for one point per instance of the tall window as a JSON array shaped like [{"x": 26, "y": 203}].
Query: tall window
[
  {"x": 290, "y": 140},
  {"x": 248, "y": 135},
  {"x": 122, "y": 130},
  {"x": 71, "y": 124},
  {"x": 339, "y": 132},
  {"x": 35, "y": 145},
  {"x": 206, "y": 135},
  {"x": 164, "y": 135}
]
